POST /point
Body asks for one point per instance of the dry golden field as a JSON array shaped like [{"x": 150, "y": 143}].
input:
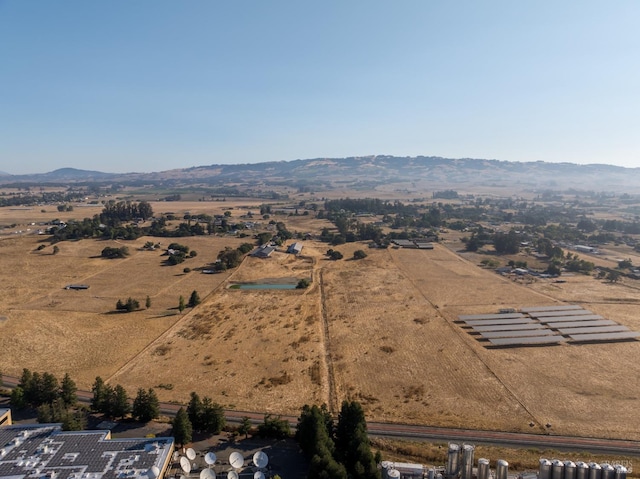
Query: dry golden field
[{"x": 380, "y": 330}]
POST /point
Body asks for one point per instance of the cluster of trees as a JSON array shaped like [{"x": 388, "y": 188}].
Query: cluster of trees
[
  {"x": 179, "y": 253},
  {"x": 230, "y": 258},
  {"x": 114, "y": 402},
  {"x": 54, "y": 401},
  {"x": 112, "y": 253},
  {"x": 334, "y": 255},
  {"x": 336, "y": 451},
  {"x": 129, "y": 305},
  {"x": 115, "y": 213},
  {"x": 28, "y": 199}
]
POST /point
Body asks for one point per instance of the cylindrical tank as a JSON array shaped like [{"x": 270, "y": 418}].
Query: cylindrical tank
[
  {"x": 431, "y": 474},
  {"x": 621, "y": 472},
  {"x": 544, "y": 470},
  {"x": 569, "y": 470},
  {"x": 582, "y": 470},
  {"x": 467, "y": 461},
  {"x": 483, "y": 468},
  {"x": 393, "y": 474},
  {"x": 595, "y": 471},
  {"x": 608, "y": 472},
  {"x": 557, "y": 469},
  {"x": 385, "y": 465},
  {"x": 453, "y": 460},
  {"x": 502, "y": 469}
]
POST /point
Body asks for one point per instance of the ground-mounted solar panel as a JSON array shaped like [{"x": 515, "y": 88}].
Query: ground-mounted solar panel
[
  {"x": 486, "y": 322},
  {"x": 594, "y": 330},
  {"x": 562, "y": 319},
  {"x": 466, "y": 317},
  {"x": 509, "y": 327},
  {"x": 517, "y": 334},
  {"x": 550, "y": 314},
  {"x": 560, "y": 307},
  {"x": 604, "y": 337},
  {"x": 541, "y": 340},
  {"x": 582, "y": 324}
]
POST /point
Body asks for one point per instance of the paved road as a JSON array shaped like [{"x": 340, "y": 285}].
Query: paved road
[{"x": 439, "y": 434}]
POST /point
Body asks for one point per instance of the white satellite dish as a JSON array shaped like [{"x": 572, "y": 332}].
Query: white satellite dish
[
  {"x": 210, "y": 458},
  {"x": 260, "y": 459},
  {"x": 207, "y": 474},
  {"x": 153, "y": 472},
  {"x": 232, "y": 475},
  {"x": 191, "y": 454},
  {"x": 185, "y": 465},
  {"x": 258, "y": 475},
  {"x": 236, "y": 460}
]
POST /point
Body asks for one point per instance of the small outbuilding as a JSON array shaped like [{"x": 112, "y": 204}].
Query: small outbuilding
[{"x": 294, "y": 248}]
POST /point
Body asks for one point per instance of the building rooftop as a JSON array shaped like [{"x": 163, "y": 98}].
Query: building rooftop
[{"x": 45, "y": 451}]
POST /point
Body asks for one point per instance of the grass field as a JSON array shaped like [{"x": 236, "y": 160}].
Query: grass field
[{"x": 380, "y": 330}]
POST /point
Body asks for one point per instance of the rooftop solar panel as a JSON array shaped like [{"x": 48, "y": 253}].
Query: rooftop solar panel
[
  {"x": 605, "y": 336},
  {"x": 517, "y": 334},
  {"x": 526, "y": 341},
  {"x": 560, "y": 307},
  {"x": 483, "y": 322},
  {"x": 582, "y": 324},
  {"x": 560, "y": 319},
  {"x": 508, "y": 327},
  {"x": 549, "y": 314},
  {"x": 466, "y": 317},
  {"x": 594, "y": 330}
]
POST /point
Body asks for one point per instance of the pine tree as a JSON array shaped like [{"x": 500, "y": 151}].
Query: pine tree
[
  {"x": 181, "y": 304},
  {"x": 194, "y": 300},
  {"x": 119, "y": 403},
  {"x": 68, "y": 391},
  {"x": 182, "y": 428},
  {"x": 99, "y": 400}
]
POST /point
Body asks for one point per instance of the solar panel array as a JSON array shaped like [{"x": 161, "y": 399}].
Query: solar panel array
[{"x": 544, "y": 325}]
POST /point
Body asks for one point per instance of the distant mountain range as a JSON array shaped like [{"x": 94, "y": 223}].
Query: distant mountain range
[{"x": 367, "y": 172}]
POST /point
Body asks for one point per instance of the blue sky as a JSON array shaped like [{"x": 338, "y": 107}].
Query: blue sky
[{"x": 151, "y": 85}]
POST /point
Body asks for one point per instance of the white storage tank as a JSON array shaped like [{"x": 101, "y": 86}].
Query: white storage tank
[
  {"x": 608, "y": 472},
  {"x": 393, "y": 474},
  {"x": 621, "y": 472},
  {"x": 582, "y": 470},
  {"x": 557, "y": 469},
  {"x": 502, "y": 469},
  {"x": 467, "y": 461},
  {"x": 569, "y": 470},
  {"x": 544, "y": 470},
  {"x": 595, "y": 471},
  {"x": 483, "y": 468},
  {"x": 453, "y": 460}
]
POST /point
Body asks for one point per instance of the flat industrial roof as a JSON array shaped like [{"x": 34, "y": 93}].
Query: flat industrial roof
[
  {"x": 518, "y": 334},
  {"x": 582, "y": 324},
  {"x": 480, "y": 322},
  {"x": 596, "y": 329},
  {"x": 509, "y": 327},
  {"x": 550, "y": 314},
  {"x": 559, "y": 319},
  {"x": 466, "y": 317},
  {"x": 603, "y": 337},
  {"x": 560, "y": 307},
  {"x": 526, "y": 341}
]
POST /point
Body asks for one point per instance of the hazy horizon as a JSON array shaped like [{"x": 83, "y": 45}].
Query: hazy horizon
[{"x": 156, "y": 85}]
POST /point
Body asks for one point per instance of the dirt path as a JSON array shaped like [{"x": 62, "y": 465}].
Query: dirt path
[{"x": 326, "y": 341}]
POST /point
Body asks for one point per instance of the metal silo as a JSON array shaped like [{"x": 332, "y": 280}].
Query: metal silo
[
  {"x": 544, "y": 471},
  {"x": 608, "y": 472},
  {"x": 393, "y": 474},
  {"x": 582, "y": 470},
  {"x": 453, "y": 460},
  {"x": 595, "y": 471},
  {"x": 502, "y": 469},
  {"x": 569, "y": 470},
  {"x": 621, "y": 472},
  {"x": 467, "y": 461},
  {"x": 557, "y": 469},
  {"x": 483, "y": 468}
]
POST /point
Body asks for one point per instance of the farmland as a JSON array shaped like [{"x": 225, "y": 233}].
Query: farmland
[{"x": 380, "y": 330}]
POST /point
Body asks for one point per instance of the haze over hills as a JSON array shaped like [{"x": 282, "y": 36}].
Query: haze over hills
[{"x": 370, "y": 172}]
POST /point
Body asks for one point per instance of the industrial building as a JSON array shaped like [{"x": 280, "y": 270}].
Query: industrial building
[{"x": 39, "y": 451}]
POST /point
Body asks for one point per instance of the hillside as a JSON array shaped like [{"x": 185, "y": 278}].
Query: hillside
[{"x": 370, "y": 172}]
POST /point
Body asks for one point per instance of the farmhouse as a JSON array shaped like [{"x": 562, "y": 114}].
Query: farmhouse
[
  {"x": 263, "y": 251},
  {"x": 294, "y": 248},
  {"x": 54, "y": 453}
]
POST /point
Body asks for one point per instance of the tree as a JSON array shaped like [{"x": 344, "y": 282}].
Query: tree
[
  {"x": 212, "y": 418},
  {"x": 119, "y": 405},
  {"x": 68, "y": 391},
  {"x": 352, "y": 443},
  {"x": 147, "y": 303},
  {"x": 194, "y": 409},
  {"x": 506, "y": 243},
  {"x": 194, "y": 299},
  {"x": 625, "y": 264},
  {"x": 359, "y": 254},
  {"x": 245, "y": 426},
  {"x": 56, "y": 249},
  {"x": 181, "y": 305},
  {"x": 303, "y": 284},
  {"x": 100, "y": 398},
  {"x": 182, "y": 427},
  {"x": 613, "y": 276},
  {"x": 146, "y": 405},
  {"x": 274, "y": 427}
]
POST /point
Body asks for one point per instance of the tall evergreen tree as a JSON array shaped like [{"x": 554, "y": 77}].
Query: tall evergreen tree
[
  {"x": 68, "y": 391},
  {"x": 119, "y": 402},
  {"x": 194, "y": 410},
  {"x": 182, "y": 428},
  {"x": 99, "y": 395},
  {"x": 352, "y": 443}
]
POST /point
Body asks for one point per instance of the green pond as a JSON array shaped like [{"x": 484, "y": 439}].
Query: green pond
[{"x": 262, "y": 286}]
